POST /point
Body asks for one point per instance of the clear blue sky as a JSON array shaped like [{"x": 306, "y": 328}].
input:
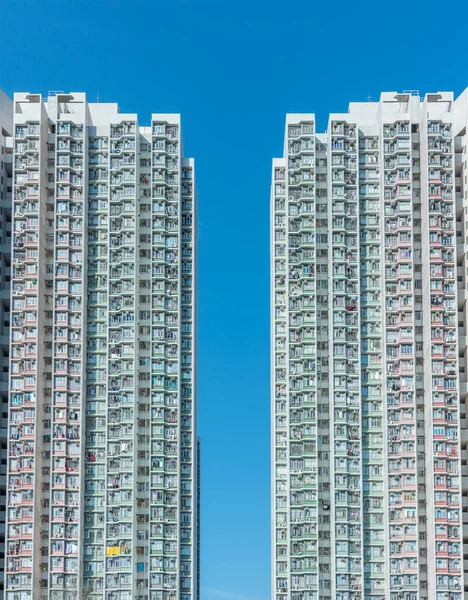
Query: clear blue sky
[{"x": 233, "y": 69}]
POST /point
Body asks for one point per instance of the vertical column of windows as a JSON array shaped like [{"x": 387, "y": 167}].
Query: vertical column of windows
[
  {"x": 141, "y": 518},
  {"x": 371, "y": 367},
  {"x": 187, "y": 450},
  {"x": 23, "y": 478},
  {"x": 400, "y": 360},
  {"x": 5, "y": 306},
  {"x": 422, "y": 478},
  {"x": 121, "y": 404},
  {"x": 302, "y": 372},
  {"x": 67, "y": 362},
  {"x": 48, "y": 353},
  {"x": 165, "y": 421},
  {"x": 96, "y": 368},
  {"x": 444, "y": 361},
  {"x": 323, "y": 363},
  {"x": 279, "y": 367},
  {"x": 345, "y": 357}
]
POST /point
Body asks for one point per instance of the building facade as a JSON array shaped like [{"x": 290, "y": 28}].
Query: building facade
[
  {"x": 6, "y": 128},
  {"x": 369, "y": 352},
  {"x": 102, "y": 486}
]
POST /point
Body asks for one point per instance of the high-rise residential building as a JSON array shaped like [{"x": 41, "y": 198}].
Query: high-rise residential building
[
  {"x": 370, "y": 352},
  {"x": 6, "y": 120},
  {"x": 102, "y": 492}
]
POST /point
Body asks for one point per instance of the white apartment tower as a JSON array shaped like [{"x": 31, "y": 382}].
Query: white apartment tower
[
  {"x": 102, "y": 487},
  {"x": 369, "y": 232}
]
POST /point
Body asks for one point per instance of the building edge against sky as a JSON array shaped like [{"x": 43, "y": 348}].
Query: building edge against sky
[
  {"x": 103, "y": 468},
  {"x": 6, "y": 129},
  {"x": 369, "y": 352}
]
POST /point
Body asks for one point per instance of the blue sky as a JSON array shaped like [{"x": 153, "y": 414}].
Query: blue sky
[{"x": 233, "y": 70}]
